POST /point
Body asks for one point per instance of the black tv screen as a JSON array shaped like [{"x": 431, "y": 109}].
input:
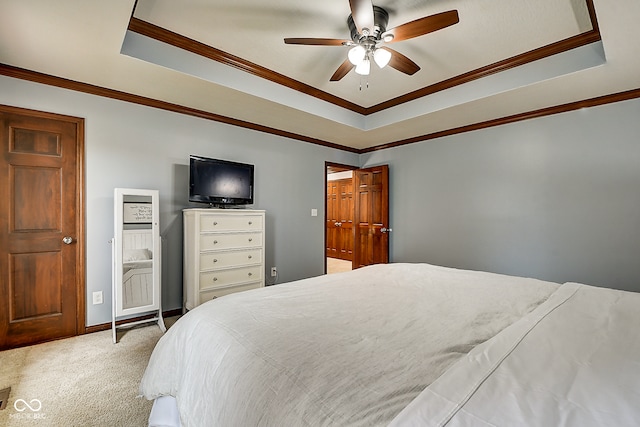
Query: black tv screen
[{"x": 220, "y": 182}]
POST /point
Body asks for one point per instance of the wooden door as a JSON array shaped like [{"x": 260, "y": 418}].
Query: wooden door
[
  {"x": 332, "y": 219},
  {"x": 41, "y": 256},
  {"x": 371, "y": 206},
  {"x": 339, "y": 234},
  {"x": 345, "y": 219}
]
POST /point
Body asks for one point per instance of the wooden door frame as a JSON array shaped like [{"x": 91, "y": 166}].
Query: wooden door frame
[
  {"x": 327, "y": 167},
  {"x": 81, "y": 298}
]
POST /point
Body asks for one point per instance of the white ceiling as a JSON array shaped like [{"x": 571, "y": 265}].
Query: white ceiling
[{"x": 83, "y": 41}]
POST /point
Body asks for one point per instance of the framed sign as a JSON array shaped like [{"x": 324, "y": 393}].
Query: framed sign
[{"x": 135, "y": 213}]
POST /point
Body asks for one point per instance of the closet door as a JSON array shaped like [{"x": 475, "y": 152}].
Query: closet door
[
  {"x": 345, "y": 218},
  {"x": 340, "y": 219},
  {"x": 332, "y": 219}
]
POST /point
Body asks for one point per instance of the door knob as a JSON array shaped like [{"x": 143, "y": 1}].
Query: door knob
[
  {"x": 67, "y": 240},
  {"x": 385, "y": 230}
]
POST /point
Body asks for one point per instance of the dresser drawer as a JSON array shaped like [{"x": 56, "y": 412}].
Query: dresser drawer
[
  {"x": 232, "y": 276},
  {"x": 229, "y": 223},
  {"x": 216, "y": 293},
  {"x": 213, "y": 260},
  {"x": 210, "y": 242}
]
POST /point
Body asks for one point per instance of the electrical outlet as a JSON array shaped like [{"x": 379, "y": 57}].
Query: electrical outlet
[
  {"x": 274, "y": 272},
  {"x": 97, "y": 297}
]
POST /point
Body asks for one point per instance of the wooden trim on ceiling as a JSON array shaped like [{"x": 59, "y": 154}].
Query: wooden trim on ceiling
[
  {"x": 33, "y": 76},
  {"x": 592, "y": 15},
  {"x": 572, "y": 106},
  {"x": 46, "y": 79},
  {"x": 579, "y": 40},
  {"x": 174, "y": 39},
  {"x": 516, "y": 61},
  {"x": 158, "y": 33}
]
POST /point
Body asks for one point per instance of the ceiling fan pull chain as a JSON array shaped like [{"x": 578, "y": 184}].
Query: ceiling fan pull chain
[{"x": 366, "y": 78}]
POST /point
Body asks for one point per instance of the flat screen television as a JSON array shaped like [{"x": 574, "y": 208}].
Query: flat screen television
[{"x": 220, "y": 182}]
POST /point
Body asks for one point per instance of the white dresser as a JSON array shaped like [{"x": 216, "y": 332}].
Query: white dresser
[{"x": 223, "y": 253}]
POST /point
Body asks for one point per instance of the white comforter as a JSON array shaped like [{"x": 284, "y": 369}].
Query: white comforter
[
  {"x": 574, "y": 361},
  {"x": 346, "y": 349}
]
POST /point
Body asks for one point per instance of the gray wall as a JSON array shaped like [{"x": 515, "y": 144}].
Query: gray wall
[
  {"x": 556, "y": 198},
  {"x": 132, "y": 146}
]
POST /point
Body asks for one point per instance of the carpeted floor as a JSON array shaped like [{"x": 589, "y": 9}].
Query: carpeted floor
[
  {"x": 335, "y": 265},
  {"x": 80, "y": 381}
]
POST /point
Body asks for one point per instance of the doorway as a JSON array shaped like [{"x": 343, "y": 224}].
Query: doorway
[
  {"x": 357, "y": 216},
  {"x": 41, "y": 227}
]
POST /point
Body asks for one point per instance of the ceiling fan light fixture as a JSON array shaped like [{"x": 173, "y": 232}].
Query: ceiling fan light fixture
[
  {"x": 382, "y": 57},
  {"x": 364, "y": 68},
  {"x": 357, "y": 55},
  {"x": 370, "y": 31}
]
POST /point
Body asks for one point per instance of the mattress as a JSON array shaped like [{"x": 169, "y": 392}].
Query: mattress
[
  {"x": 574, "y": 361},
  {"x": 347, "y": 349}
]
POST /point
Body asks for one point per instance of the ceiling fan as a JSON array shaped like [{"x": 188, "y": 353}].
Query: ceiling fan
[{"x": 369, "y": 34}]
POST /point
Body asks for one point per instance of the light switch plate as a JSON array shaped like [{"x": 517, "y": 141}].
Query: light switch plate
[{"x": 97, "y": 297}]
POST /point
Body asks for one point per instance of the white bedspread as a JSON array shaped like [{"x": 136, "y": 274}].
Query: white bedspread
[
  {"x": 345, "y": 349},
  {"x": 574, "y": 361}
]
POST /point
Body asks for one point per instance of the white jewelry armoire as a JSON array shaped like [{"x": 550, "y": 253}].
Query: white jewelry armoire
[{"x": 136, "y": 258}]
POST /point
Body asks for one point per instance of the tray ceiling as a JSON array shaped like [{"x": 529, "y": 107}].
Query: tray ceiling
[{"x": 228, "y": 59}]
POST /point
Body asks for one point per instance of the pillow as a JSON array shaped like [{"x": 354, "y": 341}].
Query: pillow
[{"x": 129, "y": 255}]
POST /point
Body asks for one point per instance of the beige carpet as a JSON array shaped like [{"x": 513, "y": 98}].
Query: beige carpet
[
  {"x": 80, "y": 381},
  {"x": 335, "y": 265}
]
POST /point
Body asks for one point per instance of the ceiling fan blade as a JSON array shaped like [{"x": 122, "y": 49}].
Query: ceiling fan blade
[
  {"x": 342, "y": 71},
  {"x": 423, "y": 26},
  {"x": 316, "y": 41},
  {"x": 402, "y": 63},
  {"x": 362, "y": 14}
]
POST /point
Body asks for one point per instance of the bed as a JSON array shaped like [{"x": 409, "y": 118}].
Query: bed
[{"x": 402, "y": 345}]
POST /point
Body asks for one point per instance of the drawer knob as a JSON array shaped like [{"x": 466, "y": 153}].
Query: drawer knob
[
  {"x": 250, "y": 222},
  {"x": 250, "y": 274},
  {"x": 215, "y": 279},
  {"x": 250, "y": 239},
  {"x": 215, "y": 222},
  {"x": 250, "y": 257},
  {"x": 215, "y": 242},
  {"x": 215, "y": 260}
]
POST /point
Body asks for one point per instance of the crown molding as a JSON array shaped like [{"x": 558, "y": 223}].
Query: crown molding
[
  {"x": 174, "y": 39},
  {"x": 34, "y": 76}
]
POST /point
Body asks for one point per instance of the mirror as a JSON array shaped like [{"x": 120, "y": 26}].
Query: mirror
[{"x": 136, "y": 256}]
